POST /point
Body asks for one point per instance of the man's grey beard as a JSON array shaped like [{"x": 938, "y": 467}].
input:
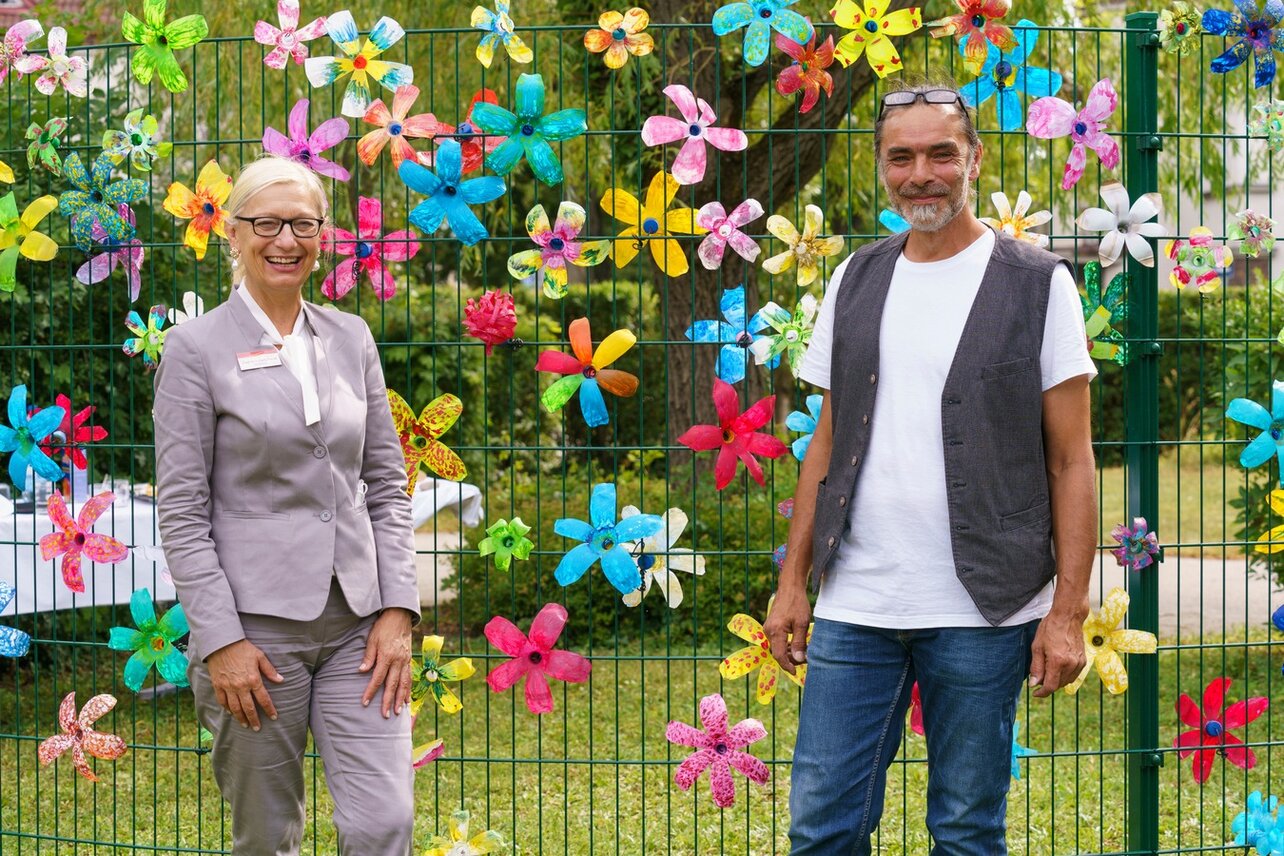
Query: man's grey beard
[{"x": 934, "y": 221}]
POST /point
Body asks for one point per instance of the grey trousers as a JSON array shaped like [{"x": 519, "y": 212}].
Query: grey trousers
[{"x": 367, "y": 757}]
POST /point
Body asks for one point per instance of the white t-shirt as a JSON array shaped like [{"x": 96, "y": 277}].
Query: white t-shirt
[{"x": 895, "y": 566}]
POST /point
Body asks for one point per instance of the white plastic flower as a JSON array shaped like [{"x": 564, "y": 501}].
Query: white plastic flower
[
  {"x": 192, "y": 306},
  {"x": 657, "y": 559},
  {"x": 1124, "y": 224},
  {"x": 1014, "y": 222}
]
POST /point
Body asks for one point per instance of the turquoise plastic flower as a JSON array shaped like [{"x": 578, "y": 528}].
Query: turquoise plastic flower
[
  {"x": 1270, "y": 443},
  {"x": 759, "y": 18},
  {"x": 152, "y": 643},
  {"x": 23, "y": 436},
  {"x": 1005, "y": 74},
  {"x": 449, "y": 198},
  {"x": 602, "y": 538},
  {"x": 805, "y": 423},
  {"x": 96, "y": 198},
  {"x": 528, "y": 130}
]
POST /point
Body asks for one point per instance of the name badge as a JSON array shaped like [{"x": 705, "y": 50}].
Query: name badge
[{"x": 259, "y": 359}]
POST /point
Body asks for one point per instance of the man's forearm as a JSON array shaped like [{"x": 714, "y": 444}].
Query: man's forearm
[{"x": 1072, "y": 491}]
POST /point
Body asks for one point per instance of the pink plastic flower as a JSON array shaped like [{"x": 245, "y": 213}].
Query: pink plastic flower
[
  {"x": 74, "y": 434},
  {"x": 695, "y": 128},
  {"x": 425, "y": 753},
  {"x": 807, "y": 71},
  {"x": 1210, "y": 735},
  {"x": 534, "y": 659},
  {"x": 128, "y": 254},
  {"x": 395, "y": 126},
  {"x": 724, "y": 229},
  {"x": 718, "y": 748},
  {"x": 79, "y": 736},
  {"x": 1137, "y": 546},
  {"x": 77, "y": 538},
  {"x": 368, "y": 251},
  {"x": 288, "y": 39},
  {"x": 305, "y": 148},
  {"x": 59, "y": 69},
  {"x": 1051, "y": 117},
  {"x": 491, "y": 318},
  {"x": 737, "y": 434},
  {"x": 13, "y": 51}
]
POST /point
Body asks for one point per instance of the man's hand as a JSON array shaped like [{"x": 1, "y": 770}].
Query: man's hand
[
  {"x": 790, "y": 616},
  {"x": 388, "y": 654},
  {"x": 1057, "y": 655},
  {"x": 237, "y": 672}
]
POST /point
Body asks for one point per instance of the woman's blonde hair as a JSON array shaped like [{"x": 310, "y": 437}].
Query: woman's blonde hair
[{"x": 265, "y": 172}]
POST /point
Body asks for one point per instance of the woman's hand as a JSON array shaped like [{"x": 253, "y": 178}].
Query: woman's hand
[
  {"x": 388, "y": 654},
  {"x": 237, "y": 672}
]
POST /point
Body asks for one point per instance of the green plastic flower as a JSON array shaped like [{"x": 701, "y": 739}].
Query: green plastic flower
[
  {"x": 45, "y": 140},
  {"x": 152, "y": 643},
  {"x": 508, "y": 541},
  {"x": 139, "y": 141},
  {"x": 157, "y": 42},
  {"x": 528, "y": 130}
]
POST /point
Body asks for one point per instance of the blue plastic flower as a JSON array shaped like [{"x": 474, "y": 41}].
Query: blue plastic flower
[
  {"x": 806, "y": 423},
  {"x": 1018, "y": 751},
  {"x": 1253, "y": 826},
  {"x": 893, "y": 222},
  {"x": 735, "y": 333},
  {"x": 96, "y": 198},
  {"x": 601, "y": 539},
  {"x": 1270, "y": 443},
  {"x": 528, "y": 130},
  {"x": 1256, "y": 29},
  {"x": 23, "y": 437},
  {"x": 448, "y": 196},
  {"x": 152, "y": 643},
  {"x": 761, "y": 17},
  {"x": 1005, "y": 74},
  {"x": 1278, "y": 617},
  {"x": 13, "y": 643}
]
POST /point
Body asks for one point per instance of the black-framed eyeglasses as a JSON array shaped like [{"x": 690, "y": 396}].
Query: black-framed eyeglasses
[
  {"x": 270, "y": 227},
  {"x": 906, "y": 97}
]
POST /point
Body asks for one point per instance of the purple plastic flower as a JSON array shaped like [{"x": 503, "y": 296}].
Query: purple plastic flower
[{"x": 1137, "y": 546}]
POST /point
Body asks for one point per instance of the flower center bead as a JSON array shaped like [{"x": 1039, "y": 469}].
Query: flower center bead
[
  {"x": 724, "y": 231},
  {"x": 80, "y": 538},
  {"x": 804, "y": 66},
  {"x": 464, "y": 130},
  {"x": 395, "y": 129},
  {"x": 727, "y": 435},
  {"x": 287, "y": 39},
  {"x": 720, "y": 748},
  {"x": 96, "y": 195},
  {"x": 556, "y": 244},
  {"x": 359, "y": 62},
  {"x": 153, "y": 338},
  {"x": 1097, "y": 641},
  {"x": 1181, "y": 28},
  {"x": 1080, "y": 128},
  {"x": 135, "y": 139},
  {"x": 650, "y": 225},
  {"x": 1256, "y": 30},
  {"x": 618, "y": 34},
  {"x": 364, "y": 250},
  {"x": 1213, "y": 729},
  {"x": 1277, "y": 431},
  {"x": 509, "y": 542},
  {"x": 431, "y": 675},
  {"x": 527, "y": 130},
  {"x": 589, "y": 372},
  {"x": 208, "y": 208},
  {"x": 791, "y": 335},
  {"x": 646, "y": 561},
  {"x": 158, "y": 643},
  {"x": 694, "y": 130},
  {"x": 60, "y": 68},
  {"x": 162, "y": 40},
  {"x": 608, "y": 543},
  {"x": 978, "y": 21},
  {"x": 1002, "y": 72},
  {"x": 744, "y": 340},
  {"x": 871, "y": 26},
  {"x": 764, "y": 13},
  {"x": 419, "y": 441},
  {"x": 535, "y": 657},
  {"x": 450, "y": 190}
]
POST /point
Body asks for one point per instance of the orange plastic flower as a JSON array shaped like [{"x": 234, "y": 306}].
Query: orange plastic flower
[
  {"x": 620, "y": 35},
  {"x": 977, "y": 24},
  {"x": 204, "y": 207}
]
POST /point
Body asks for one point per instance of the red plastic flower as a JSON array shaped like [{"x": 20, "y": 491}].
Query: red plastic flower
[
  {"x": 719, "y": 748},
  {"x": 534, "y": 657},
  {"x": 75, "y": 433},
  {"x": 807, "y": 71},
  {"x": 491, "y": 318},
  {"x": 77, "y": 537},
  {"x": 473, "y": 144},
  {"x": 1210, "y": 735},
  {"x": 79, "y": 736},
  {"x": 916, "y": 710},
  {"x": 737, "y": 434},
  {"x": 976, "y": 24}
]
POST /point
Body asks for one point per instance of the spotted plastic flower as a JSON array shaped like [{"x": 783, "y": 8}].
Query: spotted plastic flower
[
  {"x": 528, "y": 130},
  {"x": 735, "y": 333},
  {"x": 1104, "y": 641},
  {"x": 1052, "y": 117},
  {"x": 1256, "y": 26},
  {"x": 13, "y": 49},
  {"x": 458, "y": 842},
  {"x": 719, "y": 749},
  {"x": 1198, "y": 260},
  {"x": 128, "y": 255},
  {"x": 506, "y": 540},
  {"x": 1101, "y": 310},
  {"x": 805, "y": 423},
  {"x": 1267, "y": 121},
  {"x": 1254, "y": 826},
  {"x": 287, "y": 40},
  {"x": 13, "y": 642},
  {"x": 1137, "y": 546},
  {"x": 805, "y": 250},
  {"x": 1210, "y": 726},
  {"x": 1014, "y": 222},
  {"x": 1005, "y": 74},
  {"x": 792, "y": 333},
  {"x": 473, "y": 144},
  {"x": 558, "y": 245},
  {"x": 724, "y": 229},
  {"x": 74, "y": 538},
  {"x": 139, "y": 142},
  {"x": 586, "y": 372},
  {"x": 977, "y": 26},
  {"x": 78, "y": 735},
  {"x": 659, "y": 561},
  {"x": 366, "y": 252},
  {"x": 620, "y": 35},
  {"x": 1124, "y": 225},
  {"x": 305, "y": 148},
  {"x": 95, "y": 198},
  {"x": 204, "y": 207},
  {"x": 651, "y": 224},
  {"x": 75, "y": 434},
  {"x": 696, "y": 128},
  {"x": 149, "y": 337},
  {"x": 157, "y": 42},
  {"x": 19, "y": 236},
  {"x": 430, "y": 676},
  {"x": 57, "y": 68},
  {"x": 534, "y": 658},
  {"x": 736, "y": 435},
  {"x": 395, "y": 127},
  {"x": 758, "y": 18},
  {"x": 152, "y": 642},
  {"x": 1270, "y": 443},
  {"x": 758, "y": 656},
  {"x": 1179, "y": 28},
  {"x": 359, "y": 60},
  {"x": 421, "y": 438},
  {"x": 1254, "y": 231},
  {"x": 45, "y": 140},
  {"x": 492, "y": 318},
  {"x": 23, "y": 437},
  {"x": 602, "y": 538},
  {"x": 871, "y": 28},
  {"x": 448, "y": 196},
  {"x": 499, "y": 29}
]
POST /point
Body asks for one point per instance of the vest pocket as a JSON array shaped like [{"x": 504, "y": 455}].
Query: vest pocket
[
  {"x": 995, "y": 370},
  {"x": 1034, "y": 514}
]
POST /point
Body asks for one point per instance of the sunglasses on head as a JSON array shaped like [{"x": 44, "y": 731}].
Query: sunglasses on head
[{"x": 906, "y": 97}]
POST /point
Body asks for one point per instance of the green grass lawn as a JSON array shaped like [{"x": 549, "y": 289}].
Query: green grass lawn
[{"x": 1192, "y": 501}]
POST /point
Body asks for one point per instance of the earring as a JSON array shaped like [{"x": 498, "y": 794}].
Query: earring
[
  {"x": 316, "y": 265},
  {"x": 236, "y": 258}
]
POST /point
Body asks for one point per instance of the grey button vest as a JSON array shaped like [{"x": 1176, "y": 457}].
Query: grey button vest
[{"x": 991, "y": 421}]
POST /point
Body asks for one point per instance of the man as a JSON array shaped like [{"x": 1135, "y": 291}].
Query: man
[{"x": 951, "y": 463}]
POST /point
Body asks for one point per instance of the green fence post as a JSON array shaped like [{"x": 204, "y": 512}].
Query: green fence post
[{"x": 1141, "y": 174}]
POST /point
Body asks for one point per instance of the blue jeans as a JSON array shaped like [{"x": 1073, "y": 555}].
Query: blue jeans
[{"x": 853, "y": 714}]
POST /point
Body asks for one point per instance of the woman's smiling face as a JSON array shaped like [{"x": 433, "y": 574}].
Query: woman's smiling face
[{"x": 284, "y": 261}]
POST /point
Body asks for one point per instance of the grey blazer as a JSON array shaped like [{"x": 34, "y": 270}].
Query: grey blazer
[{"x": 258, "y": 511}]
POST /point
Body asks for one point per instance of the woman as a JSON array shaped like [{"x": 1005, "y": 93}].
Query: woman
[{"x": 286, "y": 526}]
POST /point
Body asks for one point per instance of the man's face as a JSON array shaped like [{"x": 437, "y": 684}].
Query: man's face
[{"x": 925, "y": 164}]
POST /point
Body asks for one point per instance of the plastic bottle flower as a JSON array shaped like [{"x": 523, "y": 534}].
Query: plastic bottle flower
[
  {"x": 498, "y": 27},
  {"x": 157, "y": 42},
  {"x": 45, "y": 140},
  {"x": 1254, "y": 231},
  {"x": 23, "y": 436},
  {"x": 1018, "y": 751},
  {"x": 718, "y": 748},
  {"x": 1104, "y": 641},
  {"x": 473, "y": 144},
  {"x": 528, "y": 130},
  {"x": 658, "y": 560},
  {"x": 367, "y": 251},
  {"x": 1124, "y": 226},
  {"x": 492, "y": 318},
  {"x": 13, "y": 642},
  {"x": 127, "y": 254},
  {"x": 1137, "y": 546},
  {"x": 425, "y": 753},
  {"x": 736, "y": 435},
  {"x": 603, "y": 538},
  {"x": 651, "y": 224},
  {"x": 620, "y": 35},
  {"x": 420, "y": 438},
  {"x": 1267, "y": 121},
  {"x": 307, "y": 148},
  {"x": 758, "y": 656},
  {"x": 1254, "y": 825},
  {"x": 786, "y": 510},
  {"x": 977, "y": 25},
  {"x": 696, "y": 128},
  {"x": 152, "y": 642},
  {"x": 807, "y": 71},
  {"x": 1272, "y": 541},
  {"x": 1013, "y": 220},
  {"x": 449, "y": 197},
  {"x": 506, "y": 540},
  {"x": 430, "y": 676},
  {"x": 75, "y": 434},
  {"x": 586, "y": 372},
  {"x": 57, "y": 68},
  {"x": 18, "y": 236},
  {"x": 95, "y": 198},
  {"x": 535, "y": 658},
  {"x": 1179, "y": 28},
  {"x": 895, "y": 223},
  {"x": 79, "y": 736},
  {"x": 1101, "y": 310},
  {"x": 1270, "y": 443},
  {"x": 1198, "y": 260},
  {"x": 148, "y": 338},
  {"x": 458, "y": 842},
  {"x": 804, "y": 422},
  {"x": 1210, "y": 729},
  {"x": 139, "y": 142},
  {"x": 916, "y": 710},
  {"x": 395, "y": 126},
  {"x": 288, "y": 39},
  {"x": 1005, "y": 74},
  {"x": 793, "y": 333},
  {"x": 736, "y": 333},
  {"x": 193, "y": 306},
  {"x": 74, "y": 538},
  {"x": 558, "y": 244},
  {"x": 13, "y": 50},
  {"x": 870, "y": 28},
  {"x": 805, "y": 250},
  {"x": 758, "y": 18},
  {"x": 359, "y": 61},
  {"x": 1052, "y": 117},
  {"x": 724, "y": 229},
  {"x": 1255, "y": 25}
]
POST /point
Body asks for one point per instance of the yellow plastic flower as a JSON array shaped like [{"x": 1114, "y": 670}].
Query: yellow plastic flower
[
  {"x": 1272, "y": 541},
  {"x": 870, "y": 29},
  {"x": 6, "y": 173},
  {"x": 651, "y": 224},
  {"x": 204, "y": 207},
  {"x": 1013, "y": 220},
  {"x": 758, "y": 656},
  {"x": 805, "y": 250},
  {"x": 1104, "y": 641},
  {"x": 431, "y": 676},
  {"x": 19, "y": 236},
  {"x": 620, "y": 35},
  {"x": 459, "y": 844}
]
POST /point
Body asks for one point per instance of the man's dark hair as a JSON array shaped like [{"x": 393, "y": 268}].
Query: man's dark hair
[{"x": 923, "y": 85}]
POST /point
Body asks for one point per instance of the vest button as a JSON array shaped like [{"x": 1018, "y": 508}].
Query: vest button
[
  {"x": 318, "y": 451},
  {"x": 864, "y": 420},
  {"x": 842, "y": 500},
  {"x": 855, "y": 460},
  {"x": 832, "y": 541},
  {"x": 873, "y": 378},
  {"x": 326, "y": 516}
]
